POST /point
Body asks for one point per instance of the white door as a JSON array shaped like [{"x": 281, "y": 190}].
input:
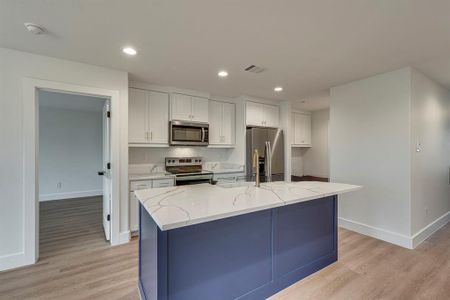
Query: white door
[
  {"x": 229, "y": 123},
  {"x": 181, "y": 107},
  {"x": 137, "y": 116},
  {"x": 271, "y": 116},
  {"x": 158, "y": 117},
  {"x": 215, "y": 123},
  {"x": 107, "y": 170},
  {"x": 199, "y": 109}
]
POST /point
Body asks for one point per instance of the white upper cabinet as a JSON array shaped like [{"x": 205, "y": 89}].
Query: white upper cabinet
[
  {"x": 148, "y": 117},
  {"x": 222, "y": 123},
  {"x": 158, "y": 117},
  {"x": 229, "y": 123},
  {"x": 215, "y": 123},
  {"x": 189, "y": 108},
  {"x": 271, "y": 114},
  {"x": 137, "y": 116},
  {"x": 301, "y": 130},
  {"x": 262, "y": 115},
  {"x": 181, "y": 107}
]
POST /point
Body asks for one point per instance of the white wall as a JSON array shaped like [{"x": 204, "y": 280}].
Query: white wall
[
  {"x": 14, "y": 67},
  {"x": 430, "y": 126},
  {"x": 315, "y": 159},
  {"x": 370, "y": 146},
  {"x": 376, "y": 127},
  {"x": 70, "y": 153},
  {"x": 297, "y": 162}
]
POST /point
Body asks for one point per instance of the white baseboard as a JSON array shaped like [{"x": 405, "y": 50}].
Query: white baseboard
[
  {"x": 69, "y": 195},
  {"x": 378, "y": 233},
  {"x": 393, "y": 237},
  {"x": 431, "y": 228},
  {"x": 12, "y": 261},
  {"x": 124, "y": 237}
]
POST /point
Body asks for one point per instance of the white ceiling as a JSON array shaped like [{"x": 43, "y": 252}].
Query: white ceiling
[
  {"x": 307, "y": 46},
  {"x": 70, "y": 101}
]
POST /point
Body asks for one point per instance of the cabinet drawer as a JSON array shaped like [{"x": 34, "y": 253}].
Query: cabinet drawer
[
  {"x": 162, "y": 183},
  {"x": 229, "y": 177},
  {"x": 140, "y": 185}
]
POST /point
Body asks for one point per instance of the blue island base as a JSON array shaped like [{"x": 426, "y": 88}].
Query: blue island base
[{"x": 251, "y": 256}]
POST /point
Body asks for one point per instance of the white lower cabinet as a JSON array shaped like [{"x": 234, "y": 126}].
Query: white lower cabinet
[
  {"x": 134, "y": 202},
  {"x": 229, "y": 177},
  {"x": 134, "y": 213}
]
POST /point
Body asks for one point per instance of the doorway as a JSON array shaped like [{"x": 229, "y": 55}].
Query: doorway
[
  {"x": 110, "y": 158},
  {"x": 73, "y": 176}
]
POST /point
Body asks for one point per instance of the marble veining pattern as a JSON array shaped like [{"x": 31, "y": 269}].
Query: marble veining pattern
[{"x": 178, "y": 206}]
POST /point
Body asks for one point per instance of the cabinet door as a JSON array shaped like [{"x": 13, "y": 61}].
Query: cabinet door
[
  {"x": 229, "y": 123},
  {"x": 134, "y": 212},
  {"x": 215, "y": 124},
  {"x": 271, "y": 116},
  {"x": 181, "y": 107},
  {"x": 302, "y": 129},
  {"x": 199, "y": 109},
  {"x": 307, "y": 129},
  {"x": 159, "y": 183},
  {"x": 254, "y": 114},
  {"x": 158, "y": 117},
  {"x": 293, "y": 128},
  {"x": 298, "y": 129},
  {"x": 137, "y": 116}
]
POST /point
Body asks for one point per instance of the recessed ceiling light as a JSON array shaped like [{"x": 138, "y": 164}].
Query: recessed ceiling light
[
  {"x": 223, "y": 74},
  {"x": 278, "y": 89},
  {"x": 129, "y": 51}
]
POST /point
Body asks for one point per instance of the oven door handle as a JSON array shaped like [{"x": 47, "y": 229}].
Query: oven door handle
[{"x": 203, "y": 134}]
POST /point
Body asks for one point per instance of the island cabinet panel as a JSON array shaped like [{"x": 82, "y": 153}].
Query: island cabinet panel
[
  {"x": 292, "y": 237},
  {"x": 251, "y": 256}
]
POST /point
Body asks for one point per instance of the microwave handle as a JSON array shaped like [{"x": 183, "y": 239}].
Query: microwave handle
[{"x": 203, "y": 134}]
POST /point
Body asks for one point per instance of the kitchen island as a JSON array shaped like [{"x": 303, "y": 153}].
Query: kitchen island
[{"x": 235, "y": 241}]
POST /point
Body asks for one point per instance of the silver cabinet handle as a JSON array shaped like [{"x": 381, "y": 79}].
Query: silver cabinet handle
[{"x": 151, "y": 135}]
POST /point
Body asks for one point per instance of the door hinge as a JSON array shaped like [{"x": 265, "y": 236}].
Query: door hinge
[
  {"x": 108, "y": 217},
  {"x": 108, "y": 166},
  {"x": 108, "y": 114}
]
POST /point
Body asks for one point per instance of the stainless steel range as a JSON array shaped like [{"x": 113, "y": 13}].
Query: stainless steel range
[{"x": 188, "y": 170}]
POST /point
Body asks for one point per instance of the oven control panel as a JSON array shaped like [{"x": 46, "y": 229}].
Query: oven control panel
[{"x": 183, "y": 161}]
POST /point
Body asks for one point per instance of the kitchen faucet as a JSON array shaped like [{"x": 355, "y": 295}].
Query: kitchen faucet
[{"x": 256, "y": 166}]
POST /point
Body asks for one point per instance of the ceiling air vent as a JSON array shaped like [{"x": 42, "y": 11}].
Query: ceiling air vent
[{"x": 254, "y": 69}]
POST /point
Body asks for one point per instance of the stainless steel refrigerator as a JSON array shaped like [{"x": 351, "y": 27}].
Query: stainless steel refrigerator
[{"x": 270, "y": 145}]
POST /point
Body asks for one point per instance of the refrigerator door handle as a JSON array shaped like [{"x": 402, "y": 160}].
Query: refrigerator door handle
[{"x": 268, "y": 161}]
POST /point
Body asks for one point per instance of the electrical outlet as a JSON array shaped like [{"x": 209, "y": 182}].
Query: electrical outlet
[{"x": 58, "y": 185}]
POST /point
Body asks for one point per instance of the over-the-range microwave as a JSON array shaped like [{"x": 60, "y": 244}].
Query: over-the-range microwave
[{"x": 184, "y": 133}]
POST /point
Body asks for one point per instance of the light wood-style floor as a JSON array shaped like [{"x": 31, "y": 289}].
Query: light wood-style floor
[{"x": 77, "y": 263}]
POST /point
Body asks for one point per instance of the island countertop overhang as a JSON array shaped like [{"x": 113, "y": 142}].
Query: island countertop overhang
[{"x": 175, "y": 207}]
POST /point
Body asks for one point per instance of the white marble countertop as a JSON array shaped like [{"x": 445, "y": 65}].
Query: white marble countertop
[{"x": 179, "y": 206}]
